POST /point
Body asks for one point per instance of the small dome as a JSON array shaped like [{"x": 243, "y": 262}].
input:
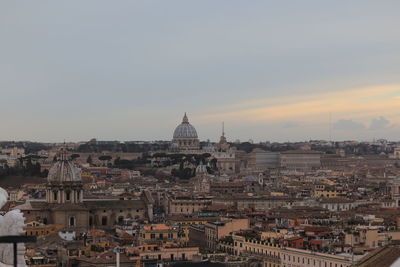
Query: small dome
[
  {"x": 64, "y": 171},
  {"x": 185, "y": 129}
]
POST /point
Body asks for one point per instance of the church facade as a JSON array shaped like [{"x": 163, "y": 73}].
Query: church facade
[{"x": 65, "y": 204}]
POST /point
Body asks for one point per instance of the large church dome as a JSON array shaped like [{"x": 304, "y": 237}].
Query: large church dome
[
  {"x": 64, "y": 171},
  {"x": 185, "y": 137},
  {"x": 185, "y": 129}
]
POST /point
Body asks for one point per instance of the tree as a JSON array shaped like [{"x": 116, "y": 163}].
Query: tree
[
  {"x": 117, "y": 161},
  {"x": 105, "y": 158},
  {"x": 75, "y": 156},
  {"x": 159, "y": 155},
  {"x": 213, "y": 163}
]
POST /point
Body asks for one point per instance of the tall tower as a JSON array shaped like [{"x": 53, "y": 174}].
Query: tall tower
[{"x": 223, "y": 144}]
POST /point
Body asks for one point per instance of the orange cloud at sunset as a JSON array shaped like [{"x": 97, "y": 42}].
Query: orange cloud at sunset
[{"x": 362, "y": 103}]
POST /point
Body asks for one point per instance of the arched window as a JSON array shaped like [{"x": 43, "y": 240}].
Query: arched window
[
  {"x": 55, "y": 195},
  {"x": 68, "y": 196},
  {"x": 72, "y": 221}
]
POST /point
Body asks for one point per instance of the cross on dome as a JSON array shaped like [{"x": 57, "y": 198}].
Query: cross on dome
[{"x": 185, "y": 119}]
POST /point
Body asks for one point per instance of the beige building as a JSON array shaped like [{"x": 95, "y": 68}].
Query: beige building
[
  {"x": 163, "y": 234},
  {"x": 185, "y": 205},
  {"x": 169, "y": 254},
  {"x": 274, "y": 255},
  {"x": 326, "y": 191},
  {"x": 227, "y": 161},
  {"x": 255, "y": 202},
  {"x": 338, "y": 204},
  {"x": 214, "y": 231},
  {"x": 291, "y": 257},
  {"x": 270, "y": 252},
  {"x": 394, "y": 188},
  {"x": 261, "y": 160},
  {"x": 300, "y": 160},
  {"x": 369, "y": 238}
]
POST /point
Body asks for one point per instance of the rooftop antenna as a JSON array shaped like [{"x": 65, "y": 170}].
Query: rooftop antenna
[{"x": 223, "y": 129}]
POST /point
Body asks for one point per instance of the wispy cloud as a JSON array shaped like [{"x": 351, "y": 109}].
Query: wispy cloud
[
  {"x": 361, "y": 104},
  {"x": 379, "y": 123},
  {"x": 290, "y": 124},
  {"x": 348, "y": 125}
]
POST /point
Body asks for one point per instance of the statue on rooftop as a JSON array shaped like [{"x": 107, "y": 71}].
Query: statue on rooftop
[{"x": 12, "y": 223}]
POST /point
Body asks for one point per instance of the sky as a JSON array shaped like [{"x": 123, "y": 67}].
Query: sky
[{"x": 128, "y": 70}]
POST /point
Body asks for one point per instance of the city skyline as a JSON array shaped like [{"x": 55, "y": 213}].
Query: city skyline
[{"x": 270, "y": 71}]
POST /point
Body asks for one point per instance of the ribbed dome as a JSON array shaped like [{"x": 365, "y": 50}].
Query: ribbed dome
[
  {"x": 185, "y": 129},
  {"x": 64, "y": 171}
]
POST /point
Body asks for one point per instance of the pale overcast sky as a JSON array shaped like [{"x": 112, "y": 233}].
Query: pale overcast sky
[{"x": 128, "y": 70}]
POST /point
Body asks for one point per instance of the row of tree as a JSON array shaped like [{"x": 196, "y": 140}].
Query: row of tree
[{"x": 25, "y": 167}]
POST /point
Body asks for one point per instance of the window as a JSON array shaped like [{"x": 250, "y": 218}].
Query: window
[
  {"x": 55, "y": 195},
  {"x": 152, "y": 236},
  {"x": 71, "y": 221},
  {"x": 104, "y": 220},
  {"x": 68, "y": 196}
]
